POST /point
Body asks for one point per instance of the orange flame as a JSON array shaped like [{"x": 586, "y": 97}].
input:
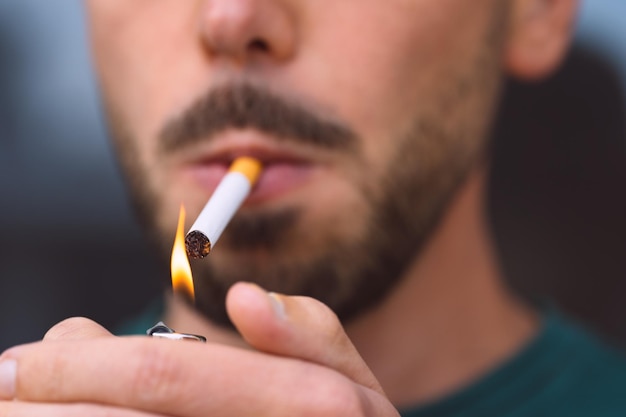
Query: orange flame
[{"x": 182, "y": 280}]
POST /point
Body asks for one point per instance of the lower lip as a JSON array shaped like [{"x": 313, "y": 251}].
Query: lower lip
[{"x": 276, "y": 180}]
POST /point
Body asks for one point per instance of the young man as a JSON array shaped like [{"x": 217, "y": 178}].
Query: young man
[{"x": 371, "y": 119}]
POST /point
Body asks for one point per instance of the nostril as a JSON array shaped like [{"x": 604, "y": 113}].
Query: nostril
[{"x": 258, "y": 45}]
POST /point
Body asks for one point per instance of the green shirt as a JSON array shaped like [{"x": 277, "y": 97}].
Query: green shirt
[{"x": 564, "y": 371}]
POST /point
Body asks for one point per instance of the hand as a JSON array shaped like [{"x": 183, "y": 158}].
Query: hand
[{"x": 302, "y": 364}]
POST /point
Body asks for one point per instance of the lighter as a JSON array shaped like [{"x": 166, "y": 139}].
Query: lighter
[{"x": 164, "y": 332}]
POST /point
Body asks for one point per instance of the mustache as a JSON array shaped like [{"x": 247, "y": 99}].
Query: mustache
[{"x": 244, "y": 106}]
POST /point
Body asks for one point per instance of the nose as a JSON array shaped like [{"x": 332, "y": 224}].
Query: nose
[{"x": 244, "y": 30}]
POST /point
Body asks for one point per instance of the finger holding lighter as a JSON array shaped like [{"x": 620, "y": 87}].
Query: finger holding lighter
[{"x": 301, "y": 362}]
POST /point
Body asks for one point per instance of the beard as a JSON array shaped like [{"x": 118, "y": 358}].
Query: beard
[
  {"x": 402, "y": 206},
  {"x": 350, "y": 276}
]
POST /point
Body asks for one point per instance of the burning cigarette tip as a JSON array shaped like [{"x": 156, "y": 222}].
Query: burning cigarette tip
[{"x": 197, "y": 244}]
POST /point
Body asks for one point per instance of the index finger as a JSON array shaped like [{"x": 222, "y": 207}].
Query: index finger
[{"x": 183, "y": 379}]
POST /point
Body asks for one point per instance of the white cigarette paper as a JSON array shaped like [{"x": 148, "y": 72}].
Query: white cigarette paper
[{"x": 222, "y": 206}]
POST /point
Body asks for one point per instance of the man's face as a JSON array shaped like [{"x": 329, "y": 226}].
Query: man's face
[{"x": 367, "y": 115}]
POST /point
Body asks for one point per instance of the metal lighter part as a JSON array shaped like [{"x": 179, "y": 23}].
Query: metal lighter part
[{"x": 162, "y": 331}]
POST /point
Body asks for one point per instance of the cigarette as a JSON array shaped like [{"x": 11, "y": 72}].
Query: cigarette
[
  {"x": 222, "y": 206},
  {"x": 161, "y": 331}
]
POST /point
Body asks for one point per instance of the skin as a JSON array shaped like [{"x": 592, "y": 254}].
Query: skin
[
  {"x": 348, "y": 232},
  {"x": 446, "y": 321}
]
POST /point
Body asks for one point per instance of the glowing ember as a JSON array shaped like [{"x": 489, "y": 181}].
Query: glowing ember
[{"x": 182, "y": 280}]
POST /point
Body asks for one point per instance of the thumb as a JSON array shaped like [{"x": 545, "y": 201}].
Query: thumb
[{"x": 297, "y": 327}]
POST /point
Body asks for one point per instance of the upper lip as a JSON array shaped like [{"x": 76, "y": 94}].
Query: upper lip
[{"x": 225, "y": 151}]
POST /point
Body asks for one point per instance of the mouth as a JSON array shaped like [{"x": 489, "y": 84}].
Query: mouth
[{"x": 283, "y": 172}]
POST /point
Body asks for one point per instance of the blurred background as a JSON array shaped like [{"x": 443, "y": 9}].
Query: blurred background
[{"x": 69, "y": 245}]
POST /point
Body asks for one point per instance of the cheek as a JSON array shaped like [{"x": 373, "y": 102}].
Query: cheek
[
  {"x": 145, "y": 56},
  {"x": 391, "y": 61},
  {"x": 135, "y": 43}
]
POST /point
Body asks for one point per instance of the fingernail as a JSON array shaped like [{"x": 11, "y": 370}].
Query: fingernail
[
  {"x": 277, "y": 304},
  {"x": 8, "y": 373}
]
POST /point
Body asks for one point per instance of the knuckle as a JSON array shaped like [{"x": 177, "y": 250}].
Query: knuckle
[
  {"x": 50, "y": 371},
  {"x": 156, "y": 375},
  {"x": 67, "y": 328},
  {"x": 335, "y": 396}
]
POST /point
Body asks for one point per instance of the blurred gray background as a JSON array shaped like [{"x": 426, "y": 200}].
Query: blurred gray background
[{"x": 69, "y": 245}]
